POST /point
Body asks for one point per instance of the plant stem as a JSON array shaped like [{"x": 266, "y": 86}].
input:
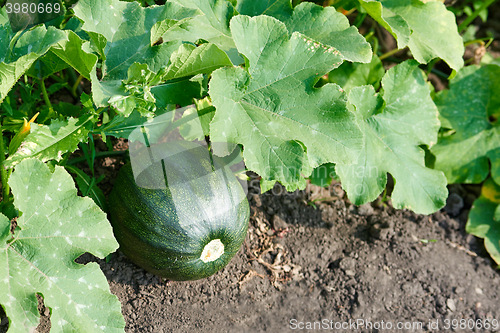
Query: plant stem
[
  {"x": 46, "y": 96},
  {"x": 359, "y": 20},
  {"x": 431, "y": 64},
  {"x": 100, "y": 154},
  {"x": 390, "y": 53},
  {"x": 3, "y": 173},
  {"x": 480, "y": 41},
  {"x": 76, "y": 85},
  {"x": 57, "y": 78},
  {"x": 173, "y": 125},
  {"x": 72, "y": 76},
  {"x": 471, "y": 18},
  {"x": 384, "y": 195}
]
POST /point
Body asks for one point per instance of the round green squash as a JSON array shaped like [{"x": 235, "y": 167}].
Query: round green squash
[{"x": 187, "y": 217}]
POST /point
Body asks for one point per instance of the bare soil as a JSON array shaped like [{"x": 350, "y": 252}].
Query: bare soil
[{"x": 332, "y": 263}]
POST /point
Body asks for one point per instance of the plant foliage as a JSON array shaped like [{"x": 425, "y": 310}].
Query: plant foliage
[
  {"x": 55, "y": 228},
  {"x": 294, "y": 86}
]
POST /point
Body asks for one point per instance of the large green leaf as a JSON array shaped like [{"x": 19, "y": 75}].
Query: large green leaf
[
  {"x": 56, "y": 227},
  {"x": 50, "y": 142},
  {"x": 286, "y": 126},
  {"x": 76, "y": 53},
  {"x": 190, "y": 60},
  {"x": 16, "y": 59},
  {"x": 69, "y": 52},
  {"x": 428, "y": 28},
  {"x": 324, "y": 25},
  {"x": 394, "y": 126},
  {"x": 130, "y": 35},
  {"x": 6, "y": 34},
  {"x": 471, "y": 108},
  {"x": 126, "y": 26},
  {"x": 484, "y": 219},
  {"x": 212, "y": 26},
  {"x": 121, "y": 32}
]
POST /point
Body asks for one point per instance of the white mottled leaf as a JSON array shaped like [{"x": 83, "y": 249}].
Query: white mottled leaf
[
  {"x": 55, "y": 228},
  {"x": 50, "y": 142}
]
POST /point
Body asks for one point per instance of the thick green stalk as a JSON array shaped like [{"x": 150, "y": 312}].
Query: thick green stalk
[
  {"x": 3, "y": 173},
  {"x": 471, "y": 18}
]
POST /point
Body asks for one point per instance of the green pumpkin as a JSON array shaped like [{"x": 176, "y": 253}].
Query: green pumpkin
[{"x": 187, "y": 227}]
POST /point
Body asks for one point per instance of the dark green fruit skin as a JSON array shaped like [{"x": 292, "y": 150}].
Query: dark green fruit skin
[{"x": 165, "y": 230}]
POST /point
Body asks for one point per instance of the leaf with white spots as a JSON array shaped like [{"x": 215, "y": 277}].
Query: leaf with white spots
[
  {"x": 55, "y": 228},
  {"x": 287, "y": 126},
  {"x": 471, "y": 107},
  {"x": 394, "y": 126},
  {"x": 52, "y": 141}
]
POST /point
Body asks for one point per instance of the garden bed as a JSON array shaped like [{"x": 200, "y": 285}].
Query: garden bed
[{"x": 344, "y": 263}]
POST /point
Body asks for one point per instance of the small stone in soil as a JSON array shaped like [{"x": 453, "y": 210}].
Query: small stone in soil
[
  {"x": 347, "y": 264},
  {"x": 365, "y": 210},
  {"x": 450, "y": 303}
]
